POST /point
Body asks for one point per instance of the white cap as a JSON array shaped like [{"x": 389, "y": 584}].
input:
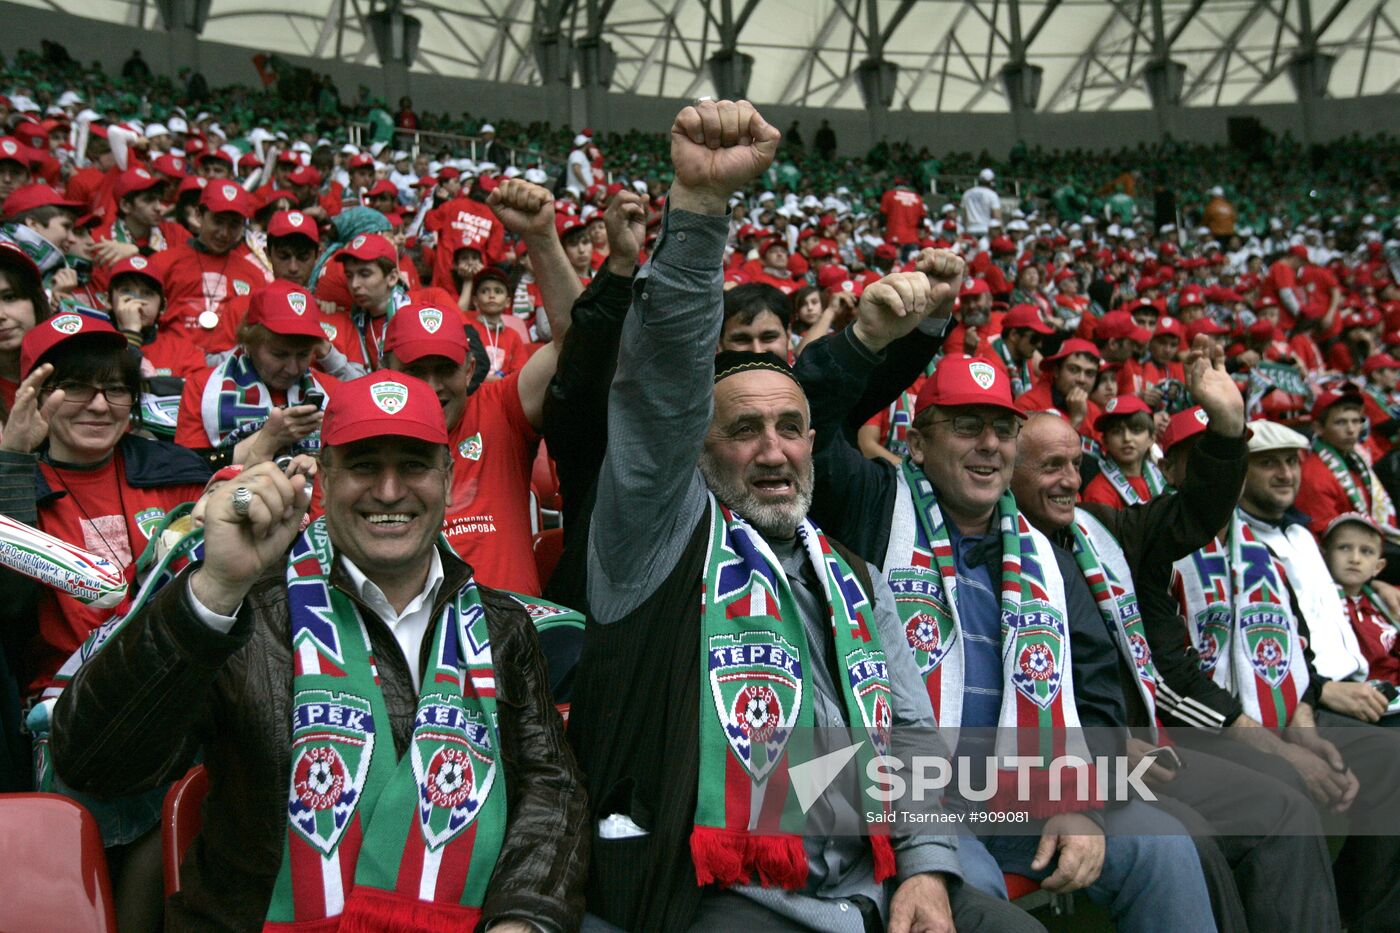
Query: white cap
[
  {"x": 640, "y": 186},
  {"x": 256, "y": 135},
  {"x": 949, "y": 208},
  {"x": 1270, "y": 435},
  {"x": 155, "y": 129},
  {"x": 217, "y": 130},
  {"x": 487, "y": 128},
  {"x": 400, "y": 155},
  {"x": 485, "y": 167},
  {"x": 580, "y": 140},
  {"x": 376, "y": 148},
  {"x": 1217, "y": 192},
  {"x": 511, "y": 172},
  {"x": 536, "y": 176},
  {"x": 69, "y": 98},
  {"x": 1114, "y": 231},
  {"x": 178, "y": 125},
  {"x": 986, "y": 175},
  {"x": 1018, "y": 225},
  {"x": 348, "y": 149}
]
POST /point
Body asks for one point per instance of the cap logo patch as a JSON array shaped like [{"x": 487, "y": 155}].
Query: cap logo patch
[
  {"x": 10, "y": 147},
  {"x": 67, "y": 324},
  {"x": 983, "y": 374},
  {"x": 138, "y": 262},
  {"x": 295, "y": 218},
  {"x": 1202, "y": 417},
  {"x": 431, "y": 319},
  {"x": 357, "y": 242},
  {"x": 142, "y": 173},
  {"x": 297, "y": 302},
  {"x": 230, "y": 192},
  {"x": 1112, "y": 405},
  {"x": 241, "y": 287},
  {"x": 389, "y": 396},
  {"x": 178, "y": 163},
  {"x": 329, "y": 330}
]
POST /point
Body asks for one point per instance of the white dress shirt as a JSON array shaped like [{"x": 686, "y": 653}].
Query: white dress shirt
[{"x": 408, "y": 626}]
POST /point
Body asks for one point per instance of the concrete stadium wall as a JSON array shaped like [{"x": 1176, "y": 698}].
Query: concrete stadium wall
[{"x": 111, "y": 44}]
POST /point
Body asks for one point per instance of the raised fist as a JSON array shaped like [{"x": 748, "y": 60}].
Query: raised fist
[
  {"x": 891, "y": 308},
  {"x": 526, "y": 209},
  {"x": 626, "y": 222},
  {"x": 718, "y": 147},
  {"x": 945, "y": 270}
]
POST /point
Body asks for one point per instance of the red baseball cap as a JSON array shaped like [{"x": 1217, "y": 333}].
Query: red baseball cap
[
  {"x": 886, "y": 251},
  {"x": 137, "y": 265},
  {"x": 134, "y": 180},
  {"x": 447, "y": 173},
  {"x": 226, "y": 197},
  {"x": 1121, "y": 406},
  {"x": 966, "y": 380},
  {"x": 215, "y": 155},
  {"x": 287, "y": 309},
  {"x": 383, "y": 404},
  {"x": 382, "y": 186},
  {"x": 1025, "y": 316},
  {"x": 169, "y": 165},
  {"x": 12, "y": 150},
  {"x": 1067, "y": 349},
  {"x": 368, "y": 247},
  {"x": 31, "y": 196},
  {"x": 418, "y": 331},
  {"x": 12, "y": 256},
  {"x": 362, "y": 160},
  {"x": 293, "y": 223},
  {"x": 306, "y": 175},
  {"x": 1116, "y": 325},
  {"x": 1184, "y": 424},
  {"x": 972, "y": 287},
  {"x": 1379, "y": 361},
  {"x": 832, "y": 276},
  {"x": 1190, "y": 296},
  {"x": 567, "y": 223},
  {"x": 1352, "y": 518},
  {"x": 288, "y": 157},
  {"x": 1299, "y": 250},
  {"x": 1206, "y": 325},
  {"x": 821, "y": 251},
  {"x": 491, "y": 273},
  {"x": 1170, "y": 327},
  {"x": 1346, "y": 392},
  {"x": 58, "y": 329}
]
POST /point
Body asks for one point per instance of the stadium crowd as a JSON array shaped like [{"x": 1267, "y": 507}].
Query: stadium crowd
[{"x": 876, "y": 459}]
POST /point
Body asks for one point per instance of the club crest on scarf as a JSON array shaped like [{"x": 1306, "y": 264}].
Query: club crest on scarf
[
  {"x": 1213, "y": 622},
  {"x": 756, "y": 682},
  {"x": 1039, "y": 634},
  {"x": 332, "y": 741},
  {"x": 454, "y": 765},
  {"x": 1262, "y": 624},
  {"x": 870, "y": 683},
  {"x": 929, "y": 630}
]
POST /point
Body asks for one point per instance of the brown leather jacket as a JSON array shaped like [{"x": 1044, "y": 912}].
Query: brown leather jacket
[{"x": 168, "y": 687}]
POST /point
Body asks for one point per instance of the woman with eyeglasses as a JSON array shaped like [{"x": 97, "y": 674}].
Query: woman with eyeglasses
[{"x": 69, "y": 467}]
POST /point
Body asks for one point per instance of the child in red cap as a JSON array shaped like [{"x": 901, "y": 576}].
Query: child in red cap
[{"x": 1127, "y": 475}]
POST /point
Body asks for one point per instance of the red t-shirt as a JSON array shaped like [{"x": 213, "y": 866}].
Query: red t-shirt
[
  {"x": 1377, "y": 638},
  {"x": 172, "y": 232},
  {"x": 488, "y": 518},
  {"x": 107, "y": 516},
  {"x": 1136, "y": 376},
  {"x": 1041, "y": 398},
  {"x": 1281, "y": 278},
  {"x": 1101, "y": 491},
  {"x": 464, "y": 222},
  {"x": 505, "y": 348},
  {"x": 170, "y": 354},
  {"x": 904, "y": 213},
  {"x": 196, "y": 282}
]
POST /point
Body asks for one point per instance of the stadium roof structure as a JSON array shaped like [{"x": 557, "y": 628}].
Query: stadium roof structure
[{"x": 1093, "y": 54}]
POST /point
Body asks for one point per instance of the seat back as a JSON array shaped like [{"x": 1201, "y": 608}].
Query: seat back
[
  {"x": 548, "y": 546},
  {"x": 180, "y": 821},
  {"x": 53, "y": 872},
  {"x": 544, "y": 479}
]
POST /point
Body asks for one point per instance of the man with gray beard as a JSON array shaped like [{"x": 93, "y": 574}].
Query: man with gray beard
[{"x": 701, "y": 558}]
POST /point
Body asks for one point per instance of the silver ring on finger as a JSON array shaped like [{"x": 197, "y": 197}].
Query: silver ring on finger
[{"x": 242, "y": 501}]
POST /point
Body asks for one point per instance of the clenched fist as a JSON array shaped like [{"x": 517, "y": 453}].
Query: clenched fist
[
  {"x": 718, "y": 147},
  {"x": 527, "y": 210}
]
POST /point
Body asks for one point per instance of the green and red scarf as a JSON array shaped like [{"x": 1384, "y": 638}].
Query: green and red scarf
[
  {"x": 901, "y": 417},
  {"x": 236, "y": 403},
  {"x": 755, "y": 659},
  {"x": 1241, "y": 623},
  {"x": 1156, "y": 482},
  {"x": 1105, "y": 567},
  {"x": 1022, "y": 379},
  {"x": 375, "y": 844},
  {"x": 1038, "y": 716},
  {"x": 1373, "y": 500}
]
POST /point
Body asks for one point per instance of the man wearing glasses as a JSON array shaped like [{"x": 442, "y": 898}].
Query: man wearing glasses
[
  {"x": 69, "y": 467},
  {"x": 959, "y": 557}
]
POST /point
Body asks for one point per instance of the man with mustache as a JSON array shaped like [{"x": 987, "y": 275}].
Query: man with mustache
[
  {"x": 704, "y": 489},
  {"x": 960, "y": 557}
]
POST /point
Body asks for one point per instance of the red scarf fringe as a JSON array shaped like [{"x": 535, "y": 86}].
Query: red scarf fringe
[
  {"x": 884, "y": 857},
  {"x": 371, "y": 910},
  {"x": 728, "y": 857}
]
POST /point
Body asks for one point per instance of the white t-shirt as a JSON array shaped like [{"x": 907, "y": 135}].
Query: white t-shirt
[
  {"x": 579, "y": 168},
  {"x": 978, "y": 202}
]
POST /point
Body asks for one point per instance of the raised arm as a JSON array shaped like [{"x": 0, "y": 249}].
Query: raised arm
[
  {"x": 649, "y": 491},
  {"x": 528, "y": 211}
]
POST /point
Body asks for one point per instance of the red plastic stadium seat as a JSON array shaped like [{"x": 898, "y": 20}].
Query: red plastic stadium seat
[
  {"x": 180, "y": 821},
  {"x": 1019, "y": 885},
  {"x": 544, "y": 478},
  {"x": 548, "y": 545},
  {"x": 54, "y": 874}
]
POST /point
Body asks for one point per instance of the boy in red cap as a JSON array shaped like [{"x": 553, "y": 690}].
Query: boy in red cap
[
  {"x": 203, "y": 273},
  {"x": 1018, "y": 345},
  {"x": 578, "y": 244},
  {"x": 504, "y": 335},
  {"x": 372, "y": 274},
  {"x": 1066, "y": 380},
  {"x": 41, "y": 220},
  {"x": 1353, "y": 546},
  {"x": 1337, "y": 474},
  {"x": 1151, "y": 379},
  {"x": 264, "y": 400},
  {"x": 16, "y": 161},
  {"x": 1127, "y": 475},
  {"x": 134, "y": 294},
  {"x": 138, "y": 227}
]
